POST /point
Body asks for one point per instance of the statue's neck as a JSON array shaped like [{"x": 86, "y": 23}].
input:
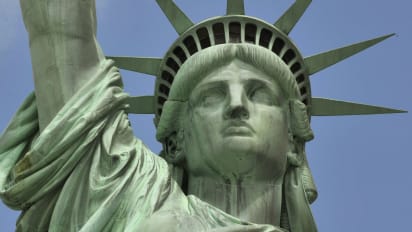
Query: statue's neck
[{"x": 258, "y": 202}]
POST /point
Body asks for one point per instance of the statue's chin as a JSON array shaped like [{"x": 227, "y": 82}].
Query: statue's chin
[
  {"x": 237, "y": 157},
  {"x": 247, "y": 157},
  {"x": 239, "y": 143}
]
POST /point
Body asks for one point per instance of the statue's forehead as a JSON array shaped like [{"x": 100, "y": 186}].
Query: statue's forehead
[{"x": 237, "y": 70}]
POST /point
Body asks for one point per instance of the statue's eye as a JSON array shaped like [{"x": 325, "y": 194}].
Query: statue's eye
[
  {"x": 211, "y": 97},
  {"x": 263, "y": 95}
]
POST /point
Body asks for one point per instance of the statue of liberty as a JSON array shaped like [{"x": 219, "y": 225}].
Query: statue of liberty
[{"x": 232, "y": 108}]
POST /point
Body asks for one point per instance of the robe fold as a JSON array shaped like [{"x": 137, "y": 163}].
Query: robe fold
[{"x": 86, "y": 171}]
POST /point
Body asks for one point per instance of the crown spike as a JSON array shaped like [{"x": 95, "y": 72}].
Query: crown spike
[
  {"x": 321, "y": 61},
  {"x": 140, "y": 105},
  {"x": 137, "y": 64},
  {"x": 330, "y": 107},
  {"x": 235, "y": 7},
  {"x": 176, "y": 16},
  {"x": 289, "y": 19}
]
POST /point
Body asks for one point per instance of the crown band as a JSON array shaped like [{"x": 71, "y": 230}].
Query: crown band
[{"x": 223, "y": 30}]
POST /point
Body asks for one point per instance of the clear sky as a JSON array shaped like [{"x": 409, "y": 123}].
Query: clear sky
[{"x": 361, "y": 164}]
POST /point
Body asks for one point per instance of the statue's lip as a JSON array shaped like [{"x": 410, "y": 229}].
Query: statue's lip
[{"x": 237, "y": 128}]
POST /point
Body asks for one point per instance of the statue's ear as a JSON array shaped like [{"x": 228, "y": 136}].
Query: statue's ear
[
  {"x": 299, "y": 121},
  {"x": 174, "y": 155},
  {"x": 173, "y": 152},
  {"x": 300, "y": 132}
]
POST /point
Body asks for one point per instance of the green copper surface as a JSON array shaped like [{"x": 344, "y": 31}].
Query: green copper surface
[
  {"x": 235, "y": 7},
  {"x": 289, "y": 19},
  {"x": 330, "y": 107},
  {"x": 233, "y": 125},
  {"x": 137, "y": 64},
  {"x": 176, "y": 16},
  {"x": 324, "y": 60},
  {"x": 140, "y": 105}
]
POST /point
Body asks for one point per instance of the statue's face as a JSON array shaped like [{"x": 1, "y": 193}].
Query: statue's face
[{"x": 236, "y": 125}]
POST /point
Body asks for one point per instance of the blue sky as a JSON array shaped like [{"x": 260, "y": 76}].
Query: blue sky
[{"x": 361, "y": 164}]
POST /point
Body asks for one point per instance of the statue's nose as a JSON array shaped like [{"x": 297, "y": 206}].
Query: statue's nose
[
  {"x": 237, "y": 107},
  {"x": 238, "y": 112}
]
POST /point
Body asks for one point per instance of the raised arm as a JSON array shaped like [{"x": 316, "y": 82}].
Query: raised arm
[{"x": 64, "y": 50}]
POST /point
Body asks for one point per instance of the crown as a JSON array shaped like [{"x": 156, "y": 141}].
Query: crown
[{"x": 236, "y": 27}]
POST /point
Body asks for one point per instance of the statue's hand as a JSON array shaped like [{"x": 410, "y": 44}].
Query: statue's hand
[{"x": 65, "y": 17}]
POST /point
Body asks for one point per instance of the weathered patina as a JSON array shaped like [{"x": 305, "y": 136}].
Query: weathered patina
[{"x": 232, "y": 106}]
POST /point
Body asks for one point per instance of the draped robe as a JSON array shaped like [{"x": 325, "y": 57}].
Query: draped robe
[{"x": 86, "y": 171}]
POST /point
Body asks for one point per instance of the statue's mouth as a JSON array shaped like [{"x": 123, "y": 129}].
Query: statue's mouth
[{"x": 237, "y": 128}]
